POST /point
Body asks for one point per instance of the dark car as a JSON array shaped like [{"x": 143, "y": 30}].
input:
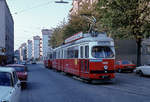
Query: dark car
[
  {"x": 124, "y": 65},
  {"x": 33, "y": 62},
  {"x": 21, "y": 72}
]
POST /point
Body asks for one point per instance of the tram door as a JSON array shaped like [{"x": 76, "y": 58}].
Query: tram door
[{"x": 84, "y": 61}]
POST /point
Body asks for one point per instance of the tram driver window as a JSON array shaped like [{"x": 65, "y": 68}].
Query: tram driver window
[
  {"x": 97, "y": 52},
  {"x": 102, "y": 52}
]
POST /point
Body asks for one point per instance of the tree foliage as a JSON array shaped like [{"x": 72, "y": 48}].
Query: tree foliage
[{"x": 125, "y": 18}]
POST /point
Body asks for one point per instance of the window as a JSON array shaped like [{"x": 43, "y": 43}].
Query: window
[
  {"x": 54, "y": 55},
  {"x": 5, "y": 79},
  {"x": 148, "y": 50},
  {"x": 86, "y": 51},
  {"x": 81, "y": 51},
  {"x": 62, "y": 53},
  {"x": 102, "y": 52},
  {"x": 117, "y": 63},
  {"x": 15, "y": 78},
  {"x": 72, "y": 52},
  {"x": 76, "y": 52},
  {"x": 65, "y": 53},
  {"x": 50, "y": 56}
]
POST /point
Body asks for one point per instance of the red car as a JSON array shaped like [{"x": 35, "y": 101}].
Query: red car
[
  {"x": 124, "y": 65},
  {"x": 21, "y": 72}
]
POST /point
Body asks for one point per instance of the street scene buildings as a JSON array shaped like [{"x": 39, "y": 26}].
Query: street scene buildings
[{"x": 75, "y": 51}]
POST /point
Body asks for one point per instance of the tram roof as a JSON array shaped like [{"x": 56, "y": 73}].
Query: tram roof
[{"x": 88, "y": 38}]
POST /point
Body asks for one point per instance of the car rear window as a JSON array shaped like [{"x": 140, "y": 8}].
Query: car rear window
[
  {"x": 19, "y": 69},
  {"x": 5, "y": 79}
]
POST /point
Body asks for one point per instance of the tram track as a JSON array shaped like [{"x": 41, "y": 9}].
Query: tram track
[
  {"x": 131, "y": 84},
  {"x": 127, "y": 90}
]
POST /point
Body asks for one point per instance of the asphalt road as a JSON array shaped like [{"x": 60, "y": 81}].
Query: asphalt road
[{"x": 49, "y": 86}]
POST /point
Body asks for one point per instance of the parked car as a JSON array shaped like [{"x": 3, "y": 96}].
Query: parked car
[
  {"x": 21, "y": 72},
  {"x": 9, "y": 85},
  {"x": 33, "y": 62},
  {"x": 23, "y": 62},
  {"x": 124, "y": 65},
  {"x": 143, "y": 70}
]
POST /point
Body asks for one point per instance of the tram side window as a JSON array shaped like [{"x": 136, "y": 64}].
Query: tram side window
[
  {"x": 76, "y": 52},
  {"x": 50, "y": 56},
  {"x": 69, "y": 53},
  {"x": 81, "y": 51},
  {"x": 86, "y": 51},
  {"x": 59, "y": 54},
  {"x": 54, "y": 55},
  {"x": 62, "y": 53},
  {"x": 65, "y": 53},
  {"x": 72, "y": 52}
]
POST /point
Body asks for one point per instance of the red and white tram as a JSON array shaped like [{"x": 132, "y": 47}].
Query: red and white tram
[{"x": 88, "y": 57}]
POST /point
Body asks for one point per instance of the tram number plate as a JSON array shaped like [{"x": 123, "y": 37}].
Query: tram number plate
[{"x": 105, "y": 76}]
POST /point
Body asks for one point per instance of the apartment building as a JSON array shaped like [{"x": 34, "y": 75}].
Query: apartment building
[
  {"x": 23, "y": 52},
  {"x": 37, "y": 48},
  {"x": 77, "y": 5},
  {"x": 6, "y": 33},
  {"x": 29, "y": 50},
  {"x": 46, "y": 36}
]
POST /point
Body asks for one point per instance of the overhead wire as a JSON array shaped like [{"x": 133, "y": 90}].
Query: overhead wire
[
  {"x": 37, "y": 6},
  {"x": 31, "y": 8}
]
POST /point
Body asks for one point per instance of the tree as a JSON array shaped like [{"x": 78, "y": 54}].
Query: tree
[
  {"x": 57, "y": 37},
  {"x": 126, "y": 19}
]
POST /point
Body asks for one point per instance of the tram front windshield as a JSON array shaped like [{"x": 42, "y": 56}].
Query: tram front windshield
[{"x": 102, "y": 52}]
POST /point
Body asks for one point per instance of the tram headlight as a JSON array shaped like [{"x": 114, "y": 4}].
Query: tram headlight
[{"x": 105, "y": 67}]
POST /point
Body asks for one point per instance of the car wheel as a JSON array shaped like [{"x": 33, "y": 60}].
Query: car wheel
[
  {"x": 131, "y": 71},
  {"x": 119, "y": 70},
  {"x": 140, "y": 73}
]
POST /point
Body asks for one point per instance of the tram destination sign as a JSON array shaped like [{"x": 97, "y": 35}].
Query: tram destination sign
[
  {"x": 104, "y": 43},
  {"x": 74, "y": 37}
]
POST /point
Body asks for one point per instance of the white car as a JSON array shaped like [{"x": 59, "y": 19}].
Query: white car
[
  {"x": 143, "y": 70},
  {"x": 9, "y": 85}
]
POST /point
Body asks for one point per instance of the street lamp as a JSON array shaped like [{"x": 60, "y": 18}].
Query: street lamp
[{"x": 61, "y": 1}]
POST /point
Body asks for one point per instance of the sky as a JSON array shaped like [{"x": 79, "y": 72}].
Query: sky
[{"x": 30, "y": 16}]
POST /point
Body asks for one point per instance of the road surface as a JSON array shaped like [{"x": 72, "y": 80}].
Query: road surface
[{"x": 46, "y": 85}]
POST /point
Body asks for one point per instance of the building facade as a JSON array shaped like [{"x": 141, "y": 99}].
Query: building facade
[
  {"x": 29, "y": 50},
  {"x": 37, "y": 47},
  {"x": 6, "y": 33},
  {"x": 46, "y": 36},
  {"x": 23, "y": 52},
  {"x": 77, "y": 5},
  {"x": 145, "y": 56},
  {"x": 16, "y": 56}
]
